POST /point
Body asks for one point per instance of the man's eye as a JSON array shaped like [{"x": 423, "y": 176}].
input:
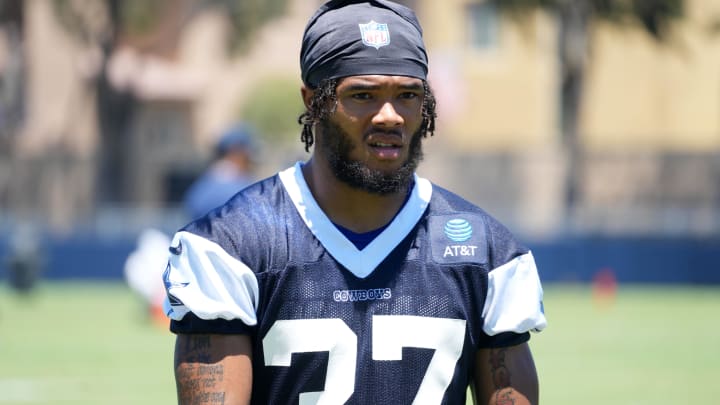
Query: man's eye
[
  {"x": 361, "y": 96},
  {"x": 409, "y": 95}
]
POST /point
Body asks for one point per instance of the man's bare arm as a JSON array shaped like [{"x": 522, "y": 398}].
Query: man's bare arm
[
  {"x": 213, "y": 369},
  {"x": 506, "y": 376}
]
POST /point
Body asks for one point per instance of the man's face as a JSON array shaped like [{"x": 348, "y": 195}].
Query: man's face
[{"x": 372, "y": 141}]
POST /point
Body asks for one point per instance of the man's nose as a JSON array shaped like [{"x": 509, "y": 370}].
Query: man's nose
[{"x": 388, "y": 116}]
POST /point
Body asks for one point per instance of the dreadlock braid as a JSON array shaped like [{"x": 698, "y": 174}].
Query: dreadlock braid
[
  {"x": 324, "y": 101},
  {"x": 322, "y": 104},
  {"x": 428, "y": 111}
]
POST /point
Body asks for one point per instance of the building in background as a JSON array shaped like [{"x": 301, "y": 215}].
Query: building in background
[
  {"x": 649, "y": 121},
  {"x": 649, "y": 129}
]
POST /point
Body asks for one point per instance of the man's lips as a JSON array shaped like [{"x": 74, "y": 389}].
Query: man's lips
[
  {"x": 385, "y": 140},
  {"x": 386, "y": 146}
]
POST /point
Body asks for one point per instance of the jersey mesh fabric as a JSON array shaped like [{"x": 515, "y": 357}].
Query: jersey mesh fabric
[{"x": 300, "y": 280}]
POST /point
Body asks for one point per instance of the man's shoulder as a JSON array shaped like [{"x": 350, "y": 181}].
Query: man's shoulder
[
  {"x": 455, "y": 218},
  {"x": 252, "y": 227},
  {"x": 446, "y": 201},
  {"x": 262, "y": 189},
  {"x": 256, "y": 204}
]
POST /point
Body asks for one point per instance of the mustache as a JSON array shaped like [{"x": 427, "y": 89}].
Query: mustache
[{"x": 384, "y": 131}]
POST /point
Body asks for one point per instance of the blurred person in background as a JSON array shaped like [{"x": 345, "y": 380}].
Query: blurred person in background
[
  {"x": 25, "y": 259},
  {"x": 143, "y": 269},
  {"x": 230, "y": 172},
  {"x": 348, "y": 278}
]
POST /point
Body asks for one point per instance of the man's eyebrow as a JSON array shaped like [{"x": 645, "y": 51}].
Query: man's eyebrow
[
  {"x": 371, "y": 86},
  {"x": 412, "y": 86},
  {"x": 361, "y": 87}
]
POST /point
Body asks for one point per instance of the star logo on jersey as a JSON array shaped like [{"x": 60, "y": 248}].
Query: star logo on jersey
[
  {"x": 176, "y": 250},
  {"x": 174, "y": 301},
  {"x": 375, "y": 34},
  {"x": 170, "y": 283}
]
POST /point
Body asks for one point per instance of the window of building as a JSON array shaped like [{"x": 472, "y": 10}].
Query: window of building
[{"x": 483, "y": 26}]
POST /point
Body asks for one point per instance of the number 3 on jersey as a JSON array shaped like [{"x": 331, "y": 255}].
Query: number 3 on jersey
[{"x": 390, "y": 334}]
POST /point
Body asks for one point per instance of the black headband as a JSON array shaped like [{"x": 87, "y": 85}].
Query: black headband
[{"x": 350, "y": 38}]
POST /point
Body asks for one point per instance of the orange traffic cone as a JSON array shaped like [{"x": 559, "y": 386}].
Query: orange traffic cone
[
  {"x": 157, "y": 314},
  {"x": 604, "y": 288}
]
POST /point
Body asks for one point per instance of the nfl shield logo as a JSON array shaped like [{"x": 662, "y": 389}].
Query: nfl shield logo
[{"x": 375, "y": 34}]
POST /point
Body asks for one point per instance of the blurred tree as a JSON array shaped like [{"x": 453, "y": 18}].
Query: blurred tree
[
  {"x": 12, "y": 72},
  {"x": 152, "y": 27},
  {"x": 575, "y": 18},
  {"x": 270, "y": 98},
  {"x": 714, "y": 26}
]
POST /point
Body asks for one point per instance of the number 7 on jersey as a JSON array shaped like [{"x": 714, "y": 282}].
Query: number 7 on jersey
[{"x": 390, "y": 334}]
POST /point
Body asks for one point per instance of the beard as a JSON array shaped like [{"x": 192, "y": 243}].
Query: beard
[{"x": 335, "y": 144}]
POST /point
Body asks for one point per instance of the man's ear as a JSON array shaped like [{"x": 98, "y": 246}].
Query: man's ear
[{"x": 307, "y": 95}]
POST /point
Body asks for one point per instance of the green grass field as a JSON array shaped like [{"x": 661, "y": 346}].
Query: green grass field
[{"x": 75, "y": 343}]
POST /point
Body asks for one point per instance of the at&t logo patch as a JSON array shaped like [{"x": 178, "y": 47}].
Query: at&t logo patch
[
  {"x": 458, "y": 238},
  {"x": 458, "y": 230}
]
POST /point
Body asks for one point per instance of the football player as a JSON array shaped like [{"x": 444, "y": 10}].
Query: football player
[{"x": 347, "y": 278}]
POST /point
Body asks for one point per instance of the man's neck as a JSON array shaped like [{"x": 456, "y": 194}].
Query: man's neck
[{"x": 355, "y": 209}]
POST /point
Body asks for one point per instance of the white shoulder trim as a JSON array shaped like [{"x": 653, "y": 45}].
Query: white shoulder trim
[
  {"x": 360, "y": 262},
  {"x": 514, "y": 298},
  {"x": 204, "y": 279}
]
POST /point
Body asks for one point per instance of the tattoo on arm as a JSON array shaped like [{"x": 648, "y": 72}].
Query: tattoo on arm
[
  {"x": 501, "y": 378},
  {"x": 196, "y": 349},
  {"x": 197, "y": 379}
]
